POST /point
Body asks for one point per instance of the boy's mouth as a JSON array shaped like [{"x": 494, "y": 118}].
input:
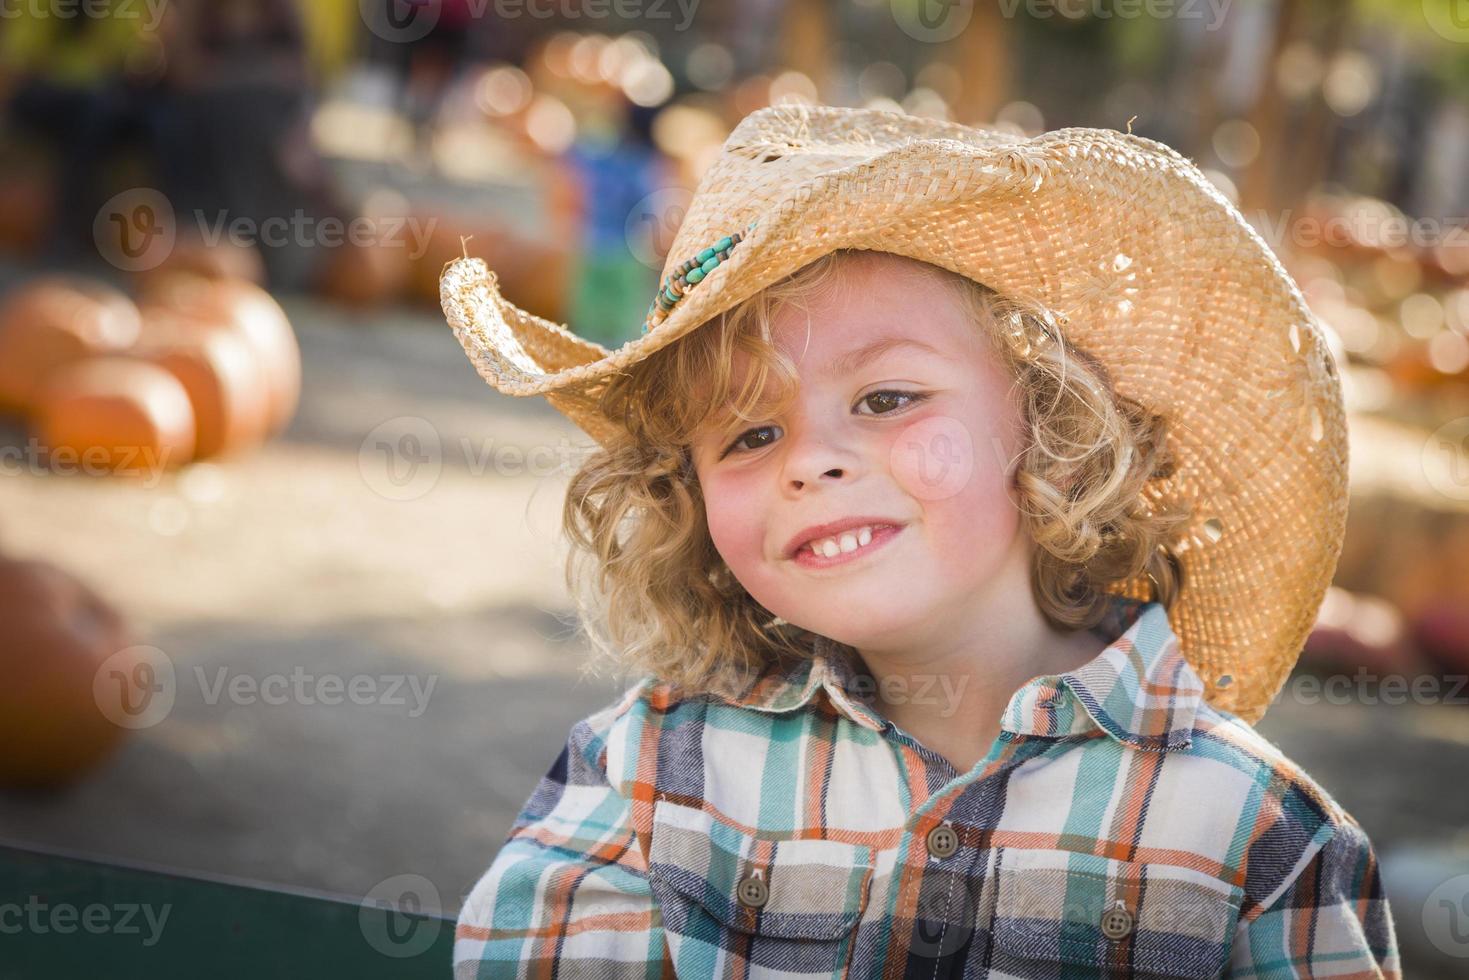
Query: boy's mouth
[{"x": 849, "y": 545}]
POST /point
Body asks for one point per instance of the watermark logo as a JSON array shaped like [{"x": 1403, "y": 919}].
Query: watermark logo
[
  {"x": 150, "y": 12},
  {"x": 932, "y": 21},
  {"x": 135, "y": 230},
  {"x": 396, "y": 917},
  {"x": 1449, "y": 19},
  {"x": 933, "y": 458},
  {"x": 135, "y": 688},
  {"x": 653, "y": 222},
  {"x": 145, "y": 463},
  {"x": 399, "y": 21},
  {"x": 40, "y": 917},
  {"x": 1446, "y": 917},
  {"x": 1215, "y": 11},
  {"x": 1445, "y": 459},
  {"x": 138, "y": 230},
  {"x": 402, "y": 458}
]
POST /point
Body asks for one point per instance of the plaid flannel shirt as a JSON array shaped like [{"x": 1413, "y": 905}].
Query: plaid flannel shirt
[{"x": 1119, "y": 826}]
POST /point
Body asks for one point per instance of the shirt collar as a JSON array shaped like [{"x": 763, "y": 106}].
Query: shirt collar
[{"x": 1140, "y": 690}]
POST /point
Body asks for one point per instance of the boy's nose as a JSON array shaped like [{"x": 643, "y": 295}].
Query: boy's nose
[{"x": 817, "y": 457}]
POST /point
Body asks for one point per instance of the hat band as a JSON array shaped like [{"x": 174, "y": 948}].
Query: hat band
[{"x": 688, "y": 274}]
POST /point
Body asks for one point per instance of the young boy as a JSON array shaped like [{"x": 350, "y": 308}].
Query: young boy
[{"x": 965, "y": 502}]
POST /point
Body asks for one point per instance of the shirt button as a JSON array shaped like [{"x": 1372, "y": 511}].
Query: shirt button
[
  {"x": 942, "y": 841},
  {"x": 752, "y": 892},
  {"x": 1116, "y": 921}
]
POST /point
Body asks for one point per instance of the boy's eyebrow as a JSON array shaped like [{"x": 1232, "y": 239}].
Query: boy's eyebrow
[{"x": 855, "y": 359}]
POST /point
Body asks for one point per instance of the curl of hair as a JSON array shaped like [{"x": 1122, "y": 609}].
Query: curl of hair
[{"x": 655, "y": 597}]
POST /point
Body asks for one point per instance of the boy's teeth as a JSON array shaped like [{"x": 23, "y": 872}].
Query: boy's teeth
[{"x": 847, "y": 541}]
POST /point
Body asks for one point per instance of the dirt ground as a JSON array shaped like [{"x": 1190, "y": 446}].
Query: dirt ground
[{"x": 437, "y": 563}]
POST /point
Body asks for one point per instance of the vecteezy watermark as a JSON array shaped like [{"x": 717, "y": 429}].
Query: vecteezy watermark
[
  {"x": 396, "y": 917},
  {"x": 37, "y": 459},
  {"x": 148, "y": 11},
  {"x": 399, "y": 21},
  {"x": 40, "y": 917},
  {"x": 932, "y": 21},
  {"x": 300, "y": 687},
  {"x": 405, "y": 21},
  {"x": 653, "y": 222},
  {"x": 932, "y": 690},
  {"x": 401, "y": 459},
  {"x": 1449, "y": 19},
  {"x": 1446, "y": 917},
  {"x": 933, "y": 459},
  {"x": 1445, "y": 459},
  {"x": 137, "y": 230},
  {"x": 1368, "y": 687},
  {"x": 936, "y": 21},
  {"x": 1214, "y": 11},
  {"x": 137, "y": 688},
  {"x": 1386, "y": 229}
]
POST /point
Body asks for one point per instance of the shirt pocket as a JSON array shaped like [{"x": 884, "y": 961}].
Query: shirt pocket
[
  {"x": 799, "y": 919},
  {"x": 1110, "y": 918}
]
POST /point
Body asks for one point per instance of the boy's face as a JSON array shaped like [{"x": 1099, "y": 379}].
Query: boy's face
[{"x": 919, "y": 437}]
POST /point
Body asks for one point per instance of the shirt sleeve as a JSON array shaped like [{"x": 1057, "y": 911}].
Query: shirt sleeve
[
  {"x": 1330, "y": 920},
  {"x": 567, "y": 895}
]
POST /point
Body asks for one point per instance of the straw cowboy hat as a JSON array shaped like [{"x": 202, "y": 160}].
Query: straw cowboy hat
[{"x": 1150, "y": 267}]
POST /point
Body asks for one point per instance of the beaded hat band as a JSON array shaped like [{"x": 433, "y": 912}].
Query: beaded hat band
[
  {"x": 689, "y": 273},
  {"x": 1153, "y": 270}
]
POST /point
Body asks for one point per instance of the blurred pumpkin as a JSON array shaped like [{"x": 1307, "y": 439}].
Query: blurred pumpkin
[
  {"x": 55, "y": 635},
  {"x": 254, "y": 315},
  {"x": 53, "y": 321},
  {"x": 225, "y": 259},
  {"x": 222, "y": 375},
  {"x": 117, "y": 413},
  {"x": 26, "y": 202},
  {"x": 373, "y": 265},
  {"x": 365, "y": 276}
]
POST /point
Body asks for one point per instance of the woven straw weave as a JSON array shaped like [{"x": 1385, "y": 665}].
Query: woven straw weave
[{"x": 1154, "y": 271}]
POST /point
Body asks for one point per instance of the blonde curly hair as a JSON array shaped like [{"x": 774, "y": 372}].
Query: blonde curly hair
[{"x": 654, "y": 596}]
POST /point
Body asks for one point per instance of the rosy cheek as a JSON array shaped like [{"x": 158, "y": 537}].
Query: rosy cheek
[
  {"x": 933, "y": 459},
  {"x": 734, "y": 524}
]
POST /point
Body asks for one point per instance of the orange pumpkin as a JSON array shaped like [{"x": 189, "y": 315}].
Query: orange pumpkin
[
  {"x": 225, "y": 259},
  {"x": 222, "y": 376},
  {"x": 56, "y": 636},
  {"x": 365, "y": 276},
  {"x": 249, "y": 311},
  {"x": 54, "y": 321},
  {"x": 116, "y": 413}
]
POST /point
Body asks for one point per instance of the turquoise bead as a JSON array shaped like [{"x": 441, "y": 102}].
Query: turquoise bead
[
  {"x": 710, "y": 265},
  {"x": 705, "y": 255},
  {"x": 724, "y": 243},
  {"x": 695, "y": 275}
]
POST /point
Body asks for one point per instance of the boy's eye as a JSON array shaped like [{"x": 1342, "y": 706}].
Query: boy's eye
[
  {"x": 880, "y": 401},
  {"x": 889, "y": 400},
  {"x": 735, "y": 446}
]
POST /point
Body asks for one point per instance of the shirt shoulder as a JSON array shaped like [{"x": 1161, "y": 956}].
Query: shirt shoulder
[{"x": 1284, "y": 815}]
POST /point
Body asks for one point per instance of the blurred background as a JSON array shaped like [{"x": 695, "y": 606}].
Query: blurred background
[{"x": 280, "y": 577}]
